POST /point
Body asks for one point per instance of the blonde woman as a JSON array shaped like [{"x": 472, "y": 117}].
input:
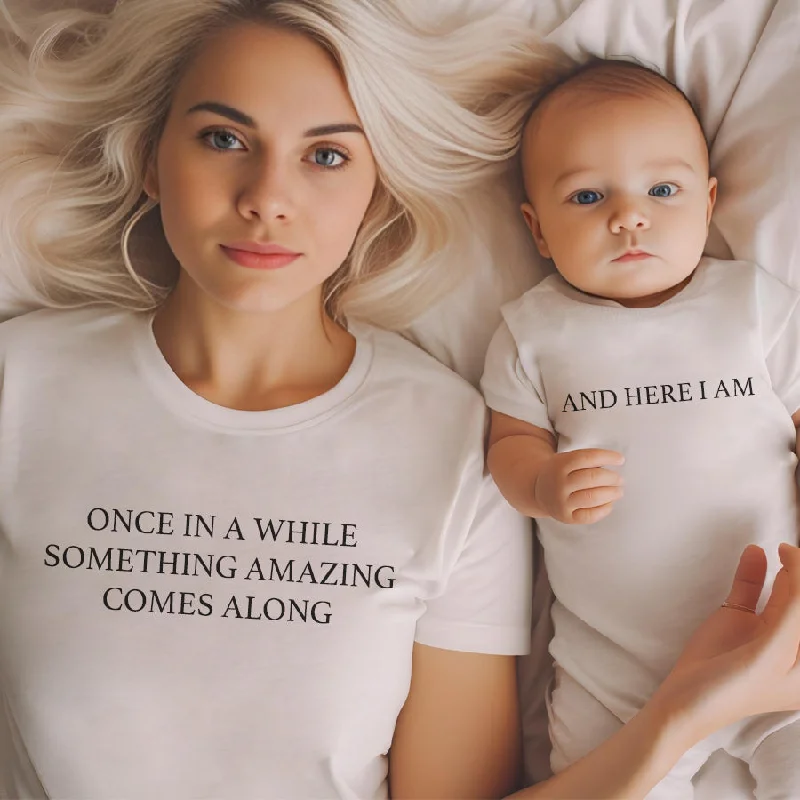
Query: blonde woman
[{"x": 247, "y": 546}]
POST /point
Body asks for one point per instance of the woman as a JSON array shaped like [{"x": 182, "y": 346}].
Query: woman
[{"x": 248, "y": 548}]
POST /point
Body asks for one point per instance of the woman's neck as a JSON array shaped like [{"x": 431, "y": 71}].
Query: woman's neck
[{"x": 252, "y": 361}]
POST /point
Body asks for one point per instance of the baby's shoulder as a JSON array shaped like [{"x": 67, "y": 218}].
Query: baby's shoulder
[{"x": 743, "y": 275}]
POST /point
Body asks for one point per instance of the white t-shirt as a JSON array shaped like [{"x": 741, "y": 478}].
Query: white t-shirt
[
  {"x": 697, "y": 394},
  {"x": 201, "y": 602}
]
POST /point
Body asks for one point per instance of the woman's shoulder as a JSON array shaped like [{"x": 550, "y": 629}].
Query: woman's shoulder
[
  {"x": 406, "y": 377},
  {"x": 56, "y": 330},
  {"x": 398, "y": 359}
]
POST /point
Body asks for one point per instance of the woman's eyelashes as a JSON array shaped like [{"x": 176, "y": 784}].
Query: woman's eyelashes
[
  {"x": 323, "y": 156},
  {"x": 588, "y": 197},
  {"x": 329, "y": 158},
  {"x": 219, "y": 139}
]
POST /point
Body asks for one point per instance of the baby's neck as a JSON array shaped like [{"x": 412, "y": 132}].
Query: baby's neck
[{"x": 653, "y": 300}]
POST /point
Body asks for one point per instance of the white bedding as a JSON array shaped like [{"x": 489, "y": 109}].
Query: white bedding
[{"x": 739, "y": 60}]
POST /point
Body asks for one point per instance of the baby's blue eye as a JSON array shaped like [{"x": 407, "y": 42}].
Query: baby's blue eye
[
  {"x": 586, "y": 197},
  {"x": 663, "y": 190}
]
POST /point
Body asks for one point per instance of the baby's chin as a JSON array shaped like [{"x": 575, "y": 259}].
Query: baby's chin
[
  {"x": 639, "y": 286},
  {"x": 643, "y": 296},
  {"x": 648, "y": 298}
]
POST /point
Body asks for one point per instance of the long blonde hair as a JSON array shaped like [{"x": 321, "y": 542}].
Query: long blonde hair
[{"x": 85, "y": 95}]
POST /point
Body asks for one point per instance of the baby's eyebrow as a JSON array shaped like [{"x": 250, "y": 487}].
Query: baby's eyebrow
[
  {"x": 665, "y": 163},
  {"x": 571, "y": 173},
  {"x": 669, "y": 163}
]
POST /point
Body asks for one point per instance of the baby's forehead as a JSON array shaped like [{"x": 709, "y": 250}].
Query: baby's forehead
[
  {"x": 606, "y": 84},
  {"x": 613, "y": 90}
]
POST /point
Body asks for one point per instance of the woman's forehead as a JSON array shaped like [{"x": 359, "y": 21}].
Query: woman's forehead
[{"x": 259, "y": 68}]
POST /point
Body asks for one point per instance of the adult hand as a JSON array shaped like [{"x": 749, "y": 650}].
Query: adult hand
[{"x": 738, "y": 663}]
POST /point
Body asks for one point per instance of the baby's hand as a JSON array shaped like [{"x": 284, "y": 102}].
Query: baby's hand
[{"x": 575, "y": 488}]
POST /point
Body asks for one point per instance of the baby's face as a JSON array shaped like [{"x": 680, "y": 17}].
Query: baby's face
[{"x": 620, "y": 196}]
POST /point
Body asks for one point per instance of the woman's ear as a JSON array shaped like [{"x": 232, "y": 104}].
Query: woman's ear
[
  {"x": 151, "y": 179},
  {"x": 532, "y": 221}
]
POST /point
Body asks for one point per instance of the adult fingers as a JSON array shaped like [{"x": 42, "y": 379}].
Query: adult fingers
[
  {"x": 781, "y": 619},
  {"x": 783, "y": 607},
  {"x": 748, "y": 582}
]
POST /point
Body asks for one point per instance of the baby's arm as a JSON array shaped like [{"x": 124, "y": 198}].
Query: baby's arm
[{"x": 537, "y": 481}]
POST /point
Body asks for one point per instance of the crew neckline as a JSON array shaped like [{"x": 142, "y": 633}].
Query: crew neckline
[
  {"x": 694, "y": 287},
  {"x": 189, "y": 405}
]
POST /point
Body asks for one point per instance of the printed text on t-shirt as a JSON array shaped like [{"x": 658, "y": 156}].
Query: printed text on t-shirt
[
  {"x": 209, "y": 563},
  {"x": 657, "y": 394}
]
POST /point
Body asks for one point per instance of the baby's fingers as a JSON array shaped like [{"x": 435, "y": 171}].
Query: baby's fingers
[
  {"x": 593, "y": 457},
  {"x": 588, "y": 516},
  {"x": 595, "y": 476},
  {"x": 593, "y": 498}
]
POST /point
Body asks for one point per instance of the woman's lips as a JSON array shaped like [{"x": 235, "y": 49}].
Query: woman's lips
[{"x": 251, "y": 260}]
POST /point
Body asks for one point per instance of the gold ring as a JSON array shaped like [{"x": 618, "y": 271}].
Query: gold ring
[{"x": 738, "y": 607}]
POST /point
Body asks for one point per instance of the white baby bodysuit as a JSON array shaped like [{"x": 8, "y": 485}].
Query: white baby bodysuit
[
  {"x": 200, "y": 602},
  {"x": 697, "y": 394}
]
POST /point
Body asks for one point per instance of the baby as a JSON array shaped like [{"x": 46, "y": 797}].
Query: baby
[{"x": 643, "y": 365}]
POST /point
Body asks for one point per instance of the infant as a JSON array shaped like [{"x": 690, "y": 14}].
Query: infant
[{"x": 644, "y": 409}]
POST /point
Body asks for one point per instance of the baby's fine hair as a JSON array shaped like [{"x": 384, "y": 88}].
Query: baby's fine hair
[
  {"x": 84, "y": 96},
  {"x": 610, "y": 76}
]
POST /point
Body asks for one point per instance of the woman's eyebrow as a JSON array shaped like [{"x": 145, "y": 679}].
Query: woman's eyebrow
[
  {"x": 338, "y": 127},
  {"x": 245, "y": 119},
  {"x": 224, "y": 111}
]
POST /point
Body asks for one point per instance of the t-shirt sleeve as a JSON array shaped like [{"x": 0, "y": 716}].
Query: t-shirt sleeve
[
  {"x": 511, "y": 386},
  {"x": 483, "y": 604},
  {"x": 780, "y": 312}
]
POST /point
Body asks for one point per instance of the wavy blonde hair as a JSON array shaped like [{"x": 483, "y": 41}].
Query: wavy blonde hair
[{"x": 86, "y": 93}]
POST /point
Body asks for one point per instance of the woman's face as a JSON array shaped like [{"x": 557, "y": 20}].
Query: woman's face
[{"x": 262, "y": 151}]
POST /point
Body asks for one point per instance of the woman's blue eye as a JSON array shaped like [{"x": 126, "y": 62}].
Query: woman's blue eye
[
  {"x": 663, "y": 190},
  {"x": 222, "y": 140},
  {"x": 586, "y": 197},
  {"x": 329, "y": 158}
]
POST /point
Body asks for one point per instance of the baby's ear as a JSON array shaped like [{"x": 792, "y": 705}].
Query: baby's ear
[
  {"x": 532, "y": 221},
  {"x": 712, "y": 198}
]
